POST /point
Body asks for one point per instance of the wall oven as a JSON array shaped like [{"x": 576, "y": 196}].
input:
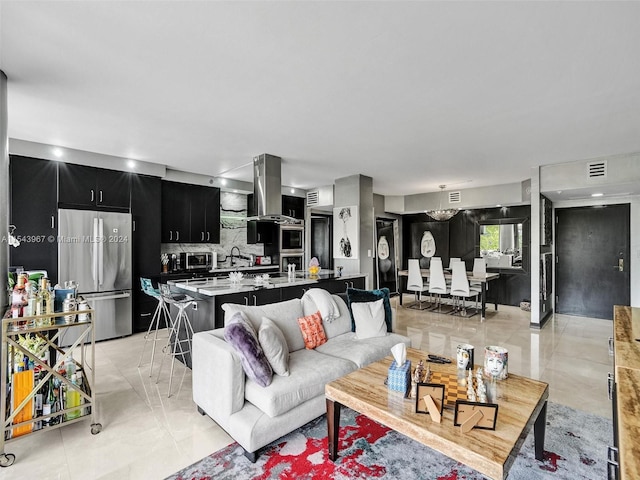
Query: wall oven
[{"x": 291, "y": 239}]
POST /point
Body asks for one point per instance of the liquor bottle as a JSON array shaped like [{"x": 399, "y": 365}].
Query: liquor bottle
[
  {"x": 18, "y": 302},
  {"x": 47, "y": 301},
  {"x": 73, "y": 399}
]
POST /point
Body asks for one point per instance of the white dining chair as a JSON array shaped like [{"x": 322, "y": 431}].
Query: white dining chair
[
  {"x": 415, "y": 284},
  {"x": 460, "y": 288},
  {"x": 479, "y": 270},
  {"x": 437, "y": 283}
]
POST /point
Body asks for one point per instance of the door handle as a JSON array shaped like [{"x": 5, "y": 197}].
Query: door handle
[
  {"x": 610, "y": 385},
  {"x": 620, "y": 265},
  {"x": 610, "y": 346}
]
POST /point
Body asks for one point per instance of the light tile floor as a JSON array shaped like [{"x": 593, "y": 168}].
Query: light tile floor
[{"x": 149, "y": 436}]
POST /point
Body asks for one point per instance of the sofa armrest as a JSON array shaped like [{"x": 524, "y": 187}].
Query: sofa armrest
[{"x": 218, "y": 377}]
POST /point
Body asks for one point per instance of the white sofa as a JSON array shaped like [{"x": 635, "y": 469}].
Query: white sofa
[{"x": 255, "y": 416}]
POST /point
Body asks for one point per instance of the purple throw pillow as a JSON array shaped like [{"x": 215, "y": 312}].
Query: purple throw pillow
[{"x": 240, "y": 334}]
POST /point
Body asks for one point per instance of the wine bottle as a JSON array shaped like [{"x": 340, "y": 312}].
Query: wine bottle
[
  {"x": 73, "y": 399},
  {"x": 18, "y": 302}
]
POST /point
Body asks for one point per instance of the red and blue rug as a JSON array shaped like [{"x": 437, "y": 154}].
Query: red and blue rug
[{"x": 575, "y": 448}]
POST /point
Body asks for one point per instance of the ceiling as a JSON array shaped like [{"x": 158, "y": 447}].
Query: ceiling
[{"x": 413, "y": 94}]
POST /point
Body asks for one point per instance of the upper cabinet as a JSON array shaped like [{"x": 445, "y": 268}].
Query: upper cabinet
[
  {"x": 176, "y": 212},
  {"x": 34, "y": 212},
  {"x": 87, "y": 187},
  {"x": 293, "y": 206},
  {"x": 190, "y": 213},
  {"x": 260, "y": 232},
  {"x": 205, "y": 215}
]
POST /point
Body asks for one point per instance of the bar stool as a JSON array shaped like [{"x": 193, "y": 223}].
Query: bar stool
[
  {"x": 161, "y": 313},
  {"x": 175, "y": 346}
]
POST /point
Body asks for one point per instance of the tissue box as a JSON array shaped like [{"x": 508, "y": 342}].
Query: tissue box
[{"x": 399, "y": 377}]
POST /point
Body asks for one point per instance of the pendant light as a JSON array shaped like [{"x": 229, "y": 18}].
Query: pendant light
[{"x": 442, "y": 214}]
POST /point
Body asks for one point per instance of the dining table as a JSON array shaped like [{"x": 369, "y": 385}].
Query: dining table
[{"x": 482, "y": 279}]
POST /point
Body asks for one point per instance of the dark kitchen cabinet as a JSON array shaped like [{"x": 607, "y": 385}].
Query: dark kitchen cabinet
[
  {"x": 293, "y": 206},
  {"x": 88, "y": 187},
  {"x": 145, "y": 213},
  {"x": 260, "y": 232},
  {"x": 190, "y": 213},
  {"x": 339, "y": 285},
  {"x": 34, "y": 212},
  {"x": 205, "y": 215},
  {"x": 176, "y": 212}
]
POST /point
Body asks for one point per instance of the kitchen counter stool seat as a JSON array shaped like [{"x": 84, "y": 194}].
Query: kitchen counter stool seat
[
  {"x": 160, "y": 317},
  {"x": 177, "y": 346}
]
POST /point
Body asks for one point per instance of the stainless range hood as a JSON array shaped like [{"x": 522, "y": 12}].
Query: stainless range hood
[{"x": 267, "y": 190}]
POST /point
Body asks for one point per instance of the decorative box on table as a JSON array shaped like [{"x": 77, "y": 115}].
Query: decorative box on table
[{"x": 399, "y": 377}]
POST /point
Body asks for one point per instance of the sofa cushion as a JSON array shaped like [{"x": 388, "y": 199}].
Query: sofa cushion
[
  {"x": 274, "y": 346},
  {"x": 362, "y": 352},
  {"x": 284, "y": 314},
  {"x": 312, "y": 331},
  {"x": 309, "y": 372},
  {"x": 240, "y": 334},
  {"x": 369, "y": 318},
  {"x": 337, "y": 326},
  {"x": 356, "y": 295}
]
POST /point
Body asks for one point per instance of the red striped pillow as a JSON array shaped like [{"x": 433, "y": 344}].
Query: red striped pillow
[{"x": 312, "y": 330}]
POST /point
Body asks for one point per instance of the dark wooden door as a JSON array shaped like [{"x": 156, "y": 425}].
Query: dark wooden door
[
  {"x": 592, "y": 270},
  {"x": 145, "y": 212},
  {"x": 77, "y": 187},
  {"x": 112, "y": 188},
  {"x": 176, "y": 213},
  {"x": 34, "y": 212}
]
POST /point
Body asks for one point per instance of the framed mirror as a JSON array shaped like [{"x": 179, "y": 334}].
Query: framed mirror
[{"x": 503, "y": 243}]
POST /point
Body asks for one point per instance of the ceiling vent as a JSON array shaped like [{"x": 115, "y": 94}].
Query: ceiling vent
[
  {"x": 313, "y": 198},
  {"x": 597, "y": 169},
  {"x": 455, "y": 197}
]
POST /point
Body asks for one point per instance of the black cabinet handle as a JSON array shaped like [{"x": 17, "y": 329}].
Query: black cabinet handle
[
  {"x": 92, "y": 196},
  {"x": 255, "y": 300},
  {"x": 177, "y": 236},
  {"x": 208, "y": 236},
  {"x": 145, "y": 314},
  {"x": 170, "y": 235},
  {"x": 100, "y": 196},
  {"x": 246, "y": 301},
  {"x": 202, "y": 236}
]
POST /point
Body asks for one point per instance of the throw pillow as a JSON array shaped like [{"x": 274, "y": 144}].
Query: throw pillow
[
  {"x": 240, "y": 334},
  {"x": 355, "y": 295},
  {"x": 369, "y": 318},
  {"x": 312, "y": 330},
  {"x": 274, "y": 346}
]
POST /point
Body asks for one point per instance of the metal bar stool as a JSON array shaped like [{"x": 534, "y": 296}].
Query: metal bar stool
[
  {"x": 175, "y": 346},
  {"x": 161, "y": 313}
]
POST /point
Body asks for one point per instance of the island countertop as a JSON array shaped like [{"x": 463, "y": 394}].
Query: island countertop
[{"x": 213, "y": 286}]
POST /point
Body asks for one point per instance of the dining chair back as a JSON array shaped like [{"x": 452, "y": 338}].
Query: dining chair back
[
  {"x": 415, "y": 283},
  {"x": 460, "y": 287},
  {"x": 479, "y": 266}
]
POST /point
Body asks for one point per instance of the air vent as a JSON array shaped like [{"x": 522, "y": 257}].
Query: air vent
[
  {"x": 455, "y": 197},
  {"x": 313, "y": 198},
  {"x": 597, "y": 169}
]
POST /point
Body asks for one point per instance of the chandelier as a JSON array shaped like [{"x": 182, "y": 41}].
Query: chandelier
[{"x": 442, "y": 214}]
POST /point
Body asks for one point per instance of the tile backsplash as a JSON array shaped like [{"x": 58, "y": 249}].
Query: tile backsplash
[{"x": 233, "y": 232}]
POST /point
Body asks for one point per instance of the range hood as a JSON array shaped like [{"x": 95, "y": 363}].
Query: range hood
[{"x": 267, "y": 190}]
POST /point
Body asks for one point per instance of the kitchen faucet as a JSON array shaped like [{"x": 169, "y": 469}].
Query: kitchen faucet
[{"x": 232, "y": 248}]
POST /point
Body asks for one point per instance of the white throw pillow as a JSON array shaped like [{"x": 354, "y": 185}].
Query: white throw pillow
[
  {"x": 274, "y": 346},
  {"x": 369, "y": 318}
]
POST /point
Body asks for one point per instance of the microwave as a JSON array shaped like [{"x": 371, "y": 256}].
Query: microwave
[
  {"x": 196, "y": 261},
  {"x": 291, "y": 239}
]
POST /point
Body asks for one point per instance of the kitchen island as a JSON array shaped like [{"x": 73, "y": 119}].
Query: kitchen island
[{"x": 212, "y": 292}]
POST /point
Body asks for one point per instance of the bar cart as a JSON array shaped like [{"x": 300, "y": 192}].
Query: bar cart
[{"x": 22, "y": 388}]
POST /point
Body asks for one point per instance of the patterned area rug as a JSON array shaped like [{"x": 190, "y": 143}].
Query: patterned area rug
[{"x": 575, "y": 448}]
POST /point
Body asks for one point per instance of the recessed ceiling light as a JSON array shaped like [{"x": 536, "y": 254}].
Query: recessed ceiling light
[
  {"x": 597, "y": 194},
  {"x": 131, "y": 164},
  {"x": 57, "y": 152},
  {"x": 223, "y": 181},
  {"x": 235, "y": 191},
  {"x": 499, "y": 205}
]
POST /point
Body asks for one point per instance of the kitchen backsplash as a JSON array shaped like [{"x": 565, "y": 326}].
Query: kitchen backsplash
[{"x": 233, "y": 232}]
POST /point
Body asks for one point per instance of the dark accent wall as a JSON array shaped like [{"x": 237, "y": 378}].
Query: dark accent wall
[{"x": 513, "y": 286}]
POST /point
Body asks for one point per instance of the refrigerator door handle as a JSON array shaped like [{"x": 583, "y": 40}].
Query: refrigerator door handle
[
  {"x": 113, "y": 296},
  {"x": 94, "y": 252},
  {"x": 101, "y": 241}
]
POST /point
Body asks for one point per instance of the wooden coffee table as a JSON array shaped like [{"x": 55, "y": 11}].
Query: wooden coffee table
[{"x": 522, "y": 404}]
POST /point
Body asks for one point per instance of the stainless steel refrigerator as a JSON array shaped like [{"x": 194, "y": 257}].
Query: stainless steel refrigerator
[{"x": 94, "y": 250}]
